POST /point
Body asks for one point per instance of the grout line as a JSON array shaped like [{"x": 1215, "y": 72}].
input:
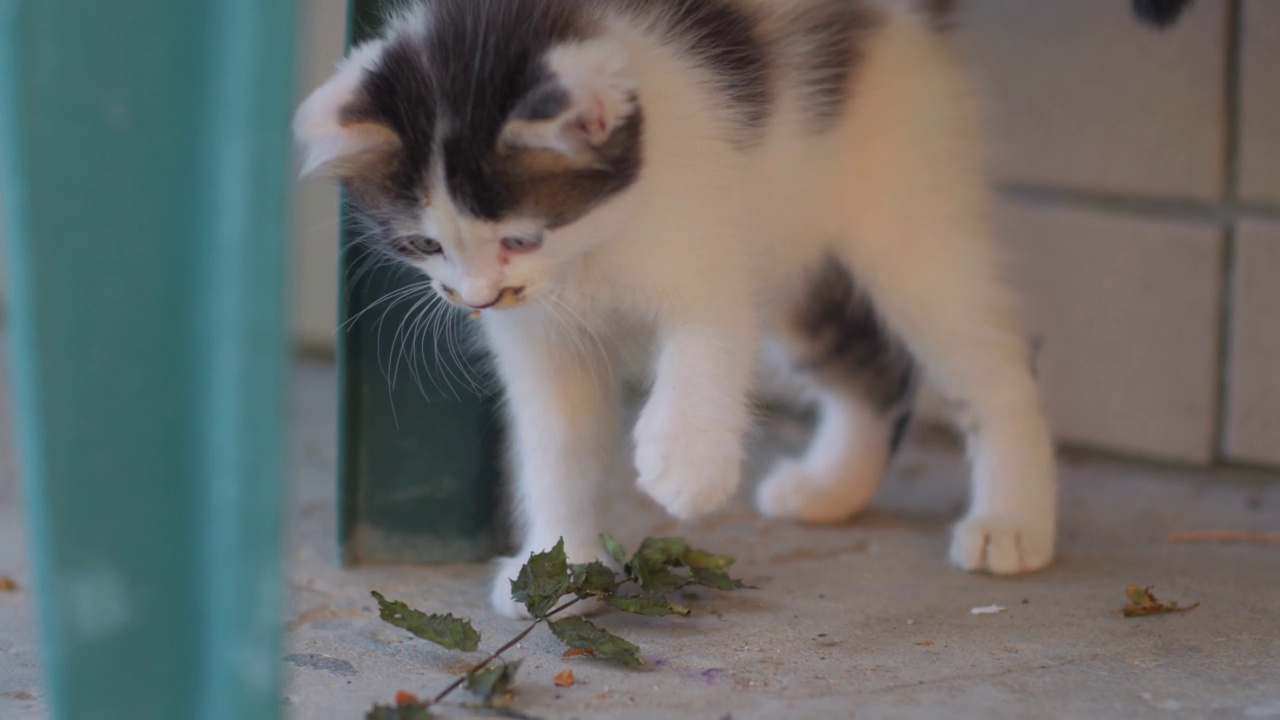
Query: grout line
[
  {"x": 1222, "y": 388},
  {"x": 1233, "y": 102},
  {"x": 1231, "y": 114},
  {"x": 1162, "y": 208}
]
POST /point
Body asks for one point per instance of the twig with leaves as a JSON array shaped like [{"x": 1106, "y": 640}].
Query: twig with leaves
[{"x": 659, "y": 566}]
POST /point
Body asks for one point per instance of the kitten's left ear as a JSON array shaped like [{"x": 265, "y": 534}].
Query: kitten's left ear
[
  {"x": 333, "y": 146},
  {"x": 574, "y": 112}
]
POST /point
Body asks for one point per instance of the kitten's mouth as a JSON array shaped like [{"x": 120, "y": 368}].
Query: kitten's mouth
[{"x": 508, "y": 297}]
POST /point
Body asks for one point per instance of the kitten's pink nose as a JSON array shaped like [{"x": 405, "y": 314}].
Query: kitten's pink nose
[{"x": 479, "y": 294}]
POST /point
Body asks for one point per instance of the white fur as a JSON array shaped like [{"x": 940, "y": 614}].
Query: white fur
[
  {"x": 708, "y": 248},
  {"x": 600, "y": 92},
  {"x": 317, "y": 124}
]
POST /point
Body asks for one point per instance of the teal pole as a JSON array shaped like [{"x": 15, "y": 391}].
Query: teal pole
[{"x": 144, "y": 166}]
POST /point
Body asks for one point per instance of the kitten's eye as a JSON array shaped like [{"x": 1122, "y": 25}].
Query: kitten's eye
[
  {"x": 516, "y": 243},
  {"x": 419, "y": 246}
]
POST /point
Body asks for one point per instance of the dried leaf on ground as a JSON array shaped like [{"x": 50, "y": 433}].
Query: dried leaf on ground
[
  {"x": 404, "y": 697},
  {"x": 400, "y": 711},
  {"x": 443, "y": 630},
  {"x": 614, "y": 548},
  {"x": 658, "y": 579},
  {"x": 8, "y": 584},
  {"x": 651, "y": 605},
  {"x": 715, "y": 579},
  {"x": 542, "y": 581},
  {"x": 661, "y": 551},
  {"x": 493, "y": 681},
  {"x": 702, "y": 559},
  {"x": 564, "y": 678},
  {"x": 656, "y": 562},
  {"x": 580, "y": 633},
  {"x": 594, "y": 579},
  {"x": 1143, "y": 602},
  {"x": 575, "y": 652}
]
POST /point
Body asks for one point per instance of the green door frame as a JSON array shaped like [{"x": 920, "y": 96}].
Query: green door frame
[
  {"x": 144, "y": 158},
  {"x": 420, "y": 440}
]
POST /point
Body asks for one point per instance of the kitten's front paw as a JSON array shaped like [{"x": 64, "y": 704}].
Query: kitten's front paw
[
  {"x": 1002, "y": 546},
  {"x": 688, "y": 473},
  {"x": 500, "y": 592}
]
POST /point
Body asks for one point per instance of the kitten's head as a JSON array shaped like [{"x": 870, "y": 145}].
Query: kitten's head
[{"x": 471, "y": 133}]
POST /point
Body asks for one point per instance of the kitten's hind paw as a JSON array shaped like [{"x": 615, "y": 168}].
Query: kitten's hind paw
[
  {"x": 791, "y": 491},
  {"x": 1000, "y": 546}
]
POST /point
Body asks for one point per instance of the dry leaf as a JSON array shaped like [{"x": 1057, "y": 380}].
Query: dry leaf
[
  {"x": 574, "y": 652},
  {"x": 493, "y": 681},
  {"x": 564, "y": 678},
  {"x": 444, "y": 630},
  {"x": 1143, "y": 602},
  {"x": 542, "y": 581},
  {"x": 404, "y": 698},
  {"x": 8, "y": 584},
  {"x": 580, "y": 633},
  {"x": 925, "y": 643}
]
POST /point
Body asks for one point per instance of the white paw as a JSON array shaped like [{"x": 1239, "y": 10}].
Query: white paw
[
  {"x": 791, "y": 491},
  {"x": 1002, "y": 546},
  {"x": 688, "y": 473},
  {"x": 503, "y": 604}
]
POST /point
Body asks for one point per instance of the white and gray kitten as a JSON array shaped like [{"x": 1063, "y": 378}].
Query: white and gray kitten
[{"x": 802, "y": 176}]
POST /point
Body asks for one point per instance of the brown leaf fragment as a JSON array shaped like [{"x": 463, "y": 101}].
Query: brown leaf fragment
[
  {"x": 574, "y": 652},
  {"x": 925, "y": 643},
  {"x": 564, "y": 678},
  {"x": 404, "y": 698},
  {"x": 1143, "y": 602},
  {"x": 8, "y": 584}
]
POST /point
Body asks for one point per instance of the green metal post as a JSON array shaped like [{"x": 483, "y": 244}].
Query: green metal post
[
  {"x": 419, "y": 444},
  {"x": 144, "y": 160}
]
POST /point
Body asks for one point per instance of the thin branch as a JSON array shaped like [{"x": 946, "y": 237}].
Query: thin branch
[{"x": 494, "y": 656}]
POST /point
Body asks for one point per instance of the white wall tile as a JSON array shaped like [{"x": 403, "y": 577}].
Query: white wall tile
[
  {"x": 315, "y": 235},
  {"x": 1260, "y": 102},
  {"x": 1127, "y": 313},
  {"x": 1085, "y": 97},
  {"x": 1253, "y": 405}
]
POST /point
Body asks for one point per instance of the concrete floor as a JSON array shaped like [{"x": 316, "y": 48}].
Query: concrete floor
[{"x": 865, "y": 618}]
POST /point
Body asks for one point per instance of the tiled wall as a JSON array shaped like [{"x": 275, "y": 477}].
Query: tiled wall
[
  {"x": 1141, "y": 203},
  {"x": 316, "y": 209}
]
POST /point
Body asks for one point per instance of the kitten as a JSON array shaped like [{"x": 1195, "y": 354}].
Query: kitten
[{"x": 802, "y": 176}]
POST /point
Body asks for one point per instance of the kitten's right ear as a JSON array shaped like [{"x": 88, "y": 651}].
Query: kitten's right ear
[
  {"x": 586, "y": 99},
  {"x": 334, "y": 146}
]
